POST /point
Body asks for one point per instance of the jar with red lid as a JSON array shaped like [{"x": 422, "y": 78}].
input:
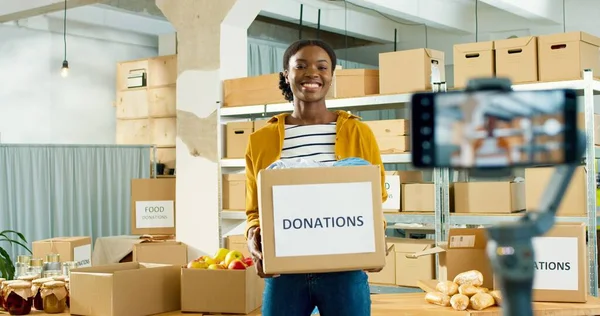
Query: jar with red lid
[
  {"x": 3, "y": 289},
  {"x": 36, "y": 285},
  {"x": 54, "y": 294},
  {"x": 18, "y": 299}
]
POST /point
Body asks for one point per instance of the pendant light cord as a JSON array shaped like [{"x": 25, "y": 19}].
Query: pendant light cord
[{"x": 65, "y": 30}]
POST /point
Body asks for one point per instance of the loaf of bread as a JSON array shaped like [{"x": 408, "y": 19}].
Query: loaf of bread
[
  {"x": 481, "y": 301},
  {"x": 459, "y": 302},
  {"x": 447, "y": 287},
  {"x": 472, "y": 277},
  {"x": 437, "y": 298},
  {"x": 468, "y": 290},
  {"x": 497, "y": 295}
]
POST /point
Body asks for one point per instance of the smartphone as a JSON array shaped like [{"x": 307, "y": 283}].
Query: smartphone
[{"x": 494, "y": 129}]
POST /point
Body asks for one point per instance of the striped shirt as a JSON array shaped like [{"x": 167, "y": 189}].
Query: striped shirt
[{"x": 314, "y": 142}]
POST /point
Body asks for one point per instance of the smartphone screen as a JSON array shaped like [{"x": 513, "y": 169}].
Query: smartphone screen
[{"x": 494, "y": 129}]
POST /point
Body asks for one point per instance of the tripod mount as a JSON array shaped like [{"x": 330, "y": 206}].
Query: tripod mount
[{"x": 510, "y": 245}]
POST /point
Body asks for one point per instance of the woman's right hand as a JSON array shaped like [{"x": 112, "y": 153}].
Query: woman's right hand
[{"x": 255, "y": 248}]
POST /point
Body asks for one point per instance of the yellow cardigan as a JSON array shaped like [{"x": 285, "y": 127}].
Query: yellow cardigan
[{"x": 354, "y": 139}]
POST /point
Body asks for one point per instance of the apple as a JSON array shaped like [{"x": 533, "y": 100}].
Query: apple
[
  {"x": 207, "y": 259},
  {"x": 233, "y": 255},
  {"x": 236, "y": 265},
  {"x": 197, "y": 264},
  {"x": 215, "y": 266},
  {"x": 220, "y": 254},
  {"x": 248, "y": 261}
]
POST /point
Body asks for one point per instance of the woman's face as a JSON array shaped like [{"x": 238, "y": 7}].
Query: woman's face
[{"x": 309, "y": 74}]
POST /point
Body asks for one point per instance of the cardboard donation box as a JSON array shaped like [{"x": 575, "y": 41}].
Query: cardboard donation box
[
  {"x": 321, "y": 219},
  {"x": 153, "y": 206},
  {"x": 221, "y": 291},
  {"x": 163, "y": 252},
  {"x": 393, "y": 181},
  {"x": 69, "y": 248},
  {"x": 561, "y": 265},
  {"x": 125, "y": 289}
]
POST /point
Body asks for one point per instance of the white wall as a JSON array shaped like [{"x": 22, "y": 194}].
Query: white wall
[{"x": 37, "y": 105}]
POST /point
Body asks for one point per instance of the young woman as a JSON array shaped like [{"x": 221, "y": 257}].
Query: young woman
[{"x": 310, "y": 131}]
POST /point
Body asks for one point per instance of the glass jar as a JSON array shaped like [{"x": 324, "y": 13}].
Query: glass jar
[
  {"x": 36, "y": 266},
  {"x": 68, "y": 266},
  {"x": 38, "y": 302},
  {"x": 54, "y": 294},
  {"x": 18, "y": 299},
  {"x": 22, "y": 265},
  {"x": 3, "y": 289},
  {"x": 52, "y": 265}
]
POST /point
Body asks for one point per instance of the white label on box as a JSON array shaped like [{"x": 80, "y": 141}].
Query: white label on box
[
  {"x": 323, "y": 219},
  {"x": 556, "y": 263},
  {"x": 392, "y": 186},
  {"x": 154, "y": 214},
  {"x": 83, "y": 255},
  {"x": 467, "y": 241}
]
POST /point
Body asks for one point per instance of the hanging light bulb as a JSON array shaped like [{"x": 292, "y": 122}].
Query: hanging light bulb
[{"x": 64, "y": 71}]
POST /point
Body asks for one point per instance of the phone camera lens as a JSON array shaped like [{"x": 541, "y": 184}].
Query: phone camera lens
[
  {"x": 426, "y": 145},
  {"x": 425, "y": 130},
  {"x": 425, "y": 102},
  {"x": 425, "y": 116},
  {"x": 426, "y": 159}
]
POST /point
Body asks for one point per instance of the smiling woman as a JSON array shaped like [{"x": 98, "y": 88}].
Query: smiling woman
[{"x": 312, "y": 132}]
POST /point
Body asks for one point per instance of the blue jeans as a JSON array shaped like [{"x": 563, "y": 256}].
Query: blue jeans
[{"x": 339, "y": 293}]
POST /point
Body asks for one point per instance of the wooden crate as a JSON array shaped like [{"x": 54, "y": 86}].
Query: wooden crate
[
  {"x": 160, "y": 71},
  {"x": 146, "y": 102}
]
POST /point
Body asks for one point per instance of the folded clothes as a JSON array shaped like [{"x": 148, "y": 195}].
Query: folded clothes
[{"x": 309, "y": 163}]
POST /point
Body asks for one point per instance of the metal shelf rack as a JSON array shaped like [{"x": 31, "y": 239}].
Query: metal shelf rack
[{"x": 441, "y": 219}]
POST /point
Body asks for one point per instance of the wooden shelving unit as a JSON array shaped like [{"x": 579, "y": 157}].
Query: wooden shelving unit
[{"x": 147, "y": 114}]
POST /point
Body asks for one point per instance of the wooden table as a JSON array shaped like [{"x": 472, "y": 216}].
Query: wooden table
[{"x": 413, "y": 304}]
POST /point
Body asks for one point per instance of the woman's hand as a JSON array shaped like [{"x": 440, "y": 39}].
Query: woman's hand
[{"x": 255, "y": 248}]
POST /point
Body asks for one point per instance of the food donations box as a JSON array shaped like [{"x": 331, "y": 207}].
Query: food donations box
[
  {"x": 560, "y": 261},
  {"x": 125, "y": 289},
  {"x": 153, "y": 206},
  {"x": 321, "y": 219},
  {"x": 77, "y": 249}
]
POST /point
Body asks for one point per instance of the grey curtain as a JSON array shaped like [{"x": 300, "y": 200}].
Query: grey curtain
[{"x": 68, "y": 190}]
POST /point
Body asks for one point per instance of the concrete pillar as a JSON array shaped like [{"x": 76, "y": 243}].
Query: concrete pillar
[{"x": 211, "y": 46}]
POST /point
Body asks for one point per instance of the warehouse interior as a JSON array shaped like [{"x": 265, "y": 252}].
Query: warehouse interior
[{"x": 124, "y": 152}]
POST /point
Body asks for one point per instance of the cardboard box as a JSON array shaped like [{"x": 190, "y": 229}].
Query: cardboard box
[
  {"x": 153, "y": 206},
  {"x": 237, "y": 137},
  {"x": 561, "y": 264},
  {"x": 475, "y": 197},
  {"x": 239, "y": 243},
  {"x": 563, "y": 247},
  {"x": 574, "y": 202},
  {"x": 234, "y": 191},
  {"x": 256, "y": 90},
  {"x": 352, "y": 83},
  {"x": 125, "y": 289},
  {"x": 517, "y": 59},
  {"x": 464, "y": 251},
  {"x": 411, "y": 70},
  {"x": 387, "y": 276},
  {"x": 418, "y": 197},
  {"x": 221, "y": 291},
  {"x": 162, "y": 252},
  {"x": 473, "y": 60},
  {"x": 410, "y": 270},
  {"x": 69, "y": 248},
  {"x": 564, "y": 56},
  {"x": 391, "y": 135},
  {"x": 293, "y": 229},
  {"x": 393, "y": 181}
]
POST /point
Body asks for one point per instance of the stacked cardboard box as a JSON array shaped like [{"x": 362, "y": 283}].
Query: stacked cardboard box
[{"x": 545, "y": 58}]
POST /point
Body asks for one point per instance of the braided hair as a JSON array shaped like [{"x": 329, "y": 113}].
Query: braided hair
[{"x": 286, "y": 91}]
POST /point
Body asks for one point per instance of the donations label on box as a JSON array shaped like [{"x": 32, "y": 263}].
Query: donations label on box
[
  {"x": 154, "y": 214},
  {"x": 323, "y": 223},
  {"x": 556, "y": 263},
  {"x": 392, "y": 186}
]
